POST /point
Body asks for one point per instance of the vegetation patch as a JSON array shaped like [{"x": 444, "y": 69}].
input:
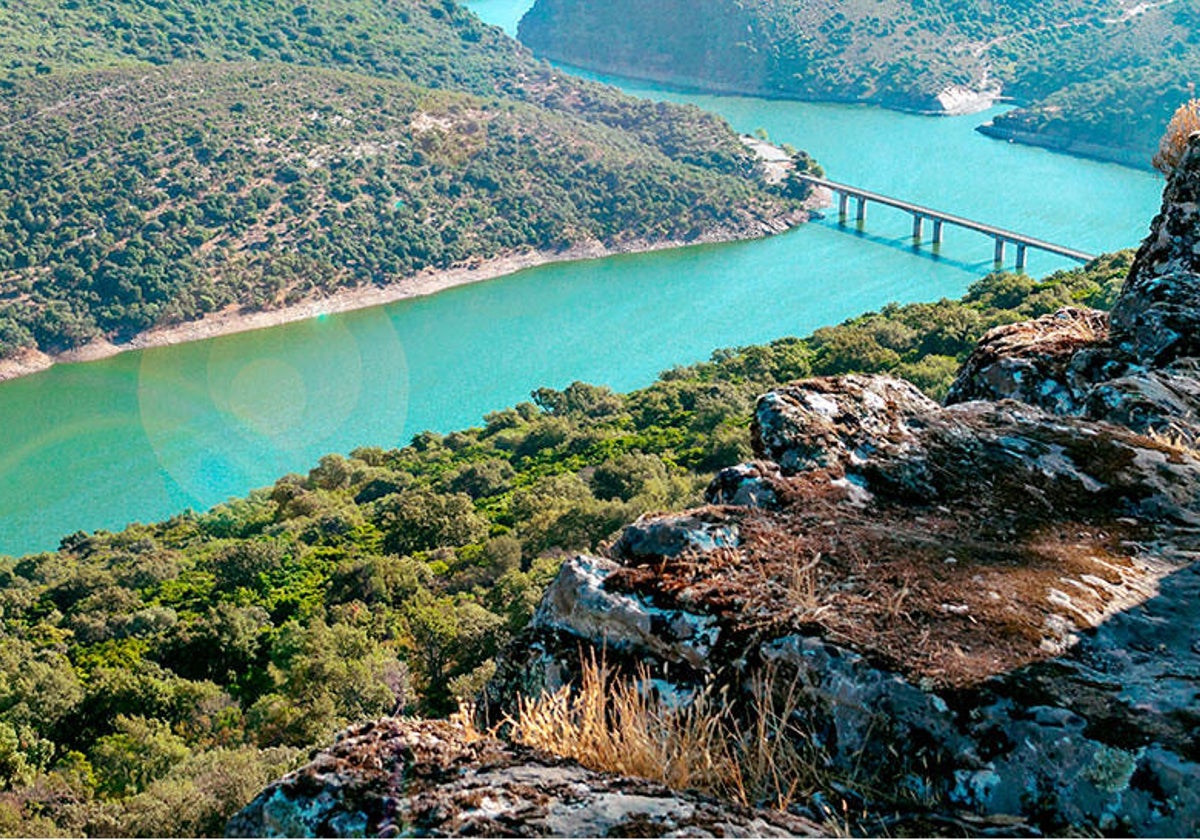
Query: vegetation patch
[{"x": 188, "y": 661}]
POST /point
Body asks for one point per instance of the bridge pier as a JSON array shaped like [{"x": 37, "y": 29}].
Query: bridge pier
[{"x": 1002, "y": 238}]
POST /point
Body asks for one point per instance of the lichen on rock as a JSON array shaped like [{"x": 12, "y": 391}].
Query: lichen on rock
[
  {"x": 408, "y": 778},
  {"x": 984, "y": 612}
]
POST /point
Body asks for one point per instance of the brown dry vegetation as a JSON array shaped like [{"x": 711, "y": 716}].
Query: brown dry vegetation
[
  {"x": 621, "y": 726},
  {"x": 945, "y": 596},
  {"x": 1183, "y": 125}
]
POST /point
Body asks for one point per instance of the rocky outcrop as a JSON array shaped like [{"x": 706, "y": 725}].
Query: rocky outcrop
[
  {"x": 1137, "y": 367},
  {"x": 986, "y": 608},
  {"x": 398, "y": 778},
  {"x": 980, "y": 615},
  {"x": 1156, "y": 319}
]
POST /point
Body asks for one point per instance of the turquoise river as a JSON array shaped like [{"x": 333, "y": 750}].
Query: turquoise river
[{"x": 144, "y": 435}]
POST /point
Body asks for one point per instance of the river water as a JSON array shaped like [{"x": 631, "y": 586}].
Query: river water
[{"x": 144, "y": 435}]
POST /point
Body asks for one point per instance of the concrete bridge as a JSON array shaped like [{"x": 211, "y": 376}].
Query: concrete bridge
[{"x": 920, "y": 214}]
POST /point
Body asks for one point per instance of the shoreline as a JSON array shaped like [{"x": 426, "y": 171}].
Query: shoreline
[
  {"x": 950, "y": 101},
  {"x": 427, "y": 282},
  {"x": 1068, "y": 146}
]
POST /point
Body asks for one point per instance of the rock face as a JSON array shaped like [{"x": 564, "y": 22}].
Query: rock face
[
  {"x": 1137, "y": 368},
  {"x": 989, "y": 607},
  {"x": 986, "y": 609},
  {"x": 429, "y": 778}
]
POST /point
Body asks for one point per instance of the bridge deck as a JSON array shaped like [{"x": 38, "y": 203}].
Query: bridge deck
[{"x": 1000, "y": 234}]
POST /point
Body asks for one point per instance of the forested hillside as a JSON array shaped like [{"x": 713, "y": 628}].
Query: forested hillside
[
  {"x": 138, "y": 198},
  {"x": 162, "y": 161},
  {"x": 152, "y": 680},
  {"x": 1105, "y": 74},
  {"x": 1117, "y": 116}
]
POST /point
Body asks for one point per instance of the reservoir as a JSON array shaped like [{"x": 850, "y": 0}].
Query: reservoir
[{"x": 142, "y": 436}]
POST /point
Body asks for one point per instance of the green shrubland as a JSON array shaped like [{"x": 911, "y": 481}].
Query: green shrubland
[
  {"x": 152, "y": 680},
  {"x": 162, "y": 161},
  {"x": 1096, "y": 75}
]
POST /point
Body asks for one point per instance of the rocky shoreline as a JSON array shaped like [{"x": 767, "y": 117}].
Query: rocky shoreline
[
  {"x": 427, "y": 282},
  {"x": 952, "y": 101},
  {"x": 1069, "y": 146}
]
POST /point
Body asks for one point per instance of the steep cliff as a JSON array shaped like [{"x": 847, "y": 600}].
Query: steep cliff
[{"x": 982, "y": 614}]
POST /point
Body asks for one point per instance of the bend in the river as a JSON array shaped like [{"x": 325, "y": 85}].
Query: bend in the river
[{"x": 144, "y": 435}]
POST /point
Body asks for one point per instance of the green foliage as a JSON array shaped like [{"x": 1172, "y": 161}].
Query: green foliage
[
  {"x": 1102, "y": 78},
  {"x": 152, "y": 680},
  {"x": 181, "y": 158},
  {"x": 138, "y": 752}
]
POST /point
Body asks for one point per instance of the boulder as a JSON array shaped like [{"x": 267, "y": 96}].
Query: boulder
[
  {"x": 1033, "y": 361},
  {"x": 395, "y": 778},
  {"x": 1136, "y": 367}
]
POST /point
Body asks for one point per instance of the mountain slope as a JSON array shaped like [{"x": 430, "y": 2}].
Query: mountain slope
[
  {"x": 1084, "y": 65},
  {"x": 160, "y": 162},
  {"x": 432, "y": 43},
  {"x": 136, "y": 198}
]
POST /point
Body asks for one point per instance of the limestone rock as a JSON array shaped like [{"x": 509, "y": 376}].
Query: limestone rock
[
  {"x": 969, "y": 603},
  {"x": 748, "y": 485},
  {"x": 1137, "y": 367},
  {"x": 669, "y": 536},
  {"x": 1032, "y": 361},
  {"x": 834, "y": 422},
  {"x": 427, "y": 778},
  {"x": 1157, "y": 317},
  {"x": 577, "y": 603}
]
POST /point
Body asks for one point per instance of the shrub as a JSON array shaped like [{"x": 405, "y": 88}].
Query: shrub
[{"x": 1182, "y": 126}]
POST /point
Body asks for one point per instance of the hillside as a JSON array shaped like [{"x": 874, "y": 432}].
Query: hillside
[
  {"x": 1118, "y": 116},
  {"x": 902, "y": 618},
  {"x": 161, "y": 162},
  {"x": 152, "y": 680},
  {"x": 140, "y": 198},
  {"x": 1082, "y": 66},
  {"x": 430, "y": 43}
]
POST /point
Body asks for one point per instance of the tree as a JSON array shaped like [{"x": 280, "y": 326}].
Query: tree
[
  {"x": 325, "y": 678},
  {"x": 420, "y": 520},
  {"x": 450, "y": 637},
  {"x": 138, "y": 752}
]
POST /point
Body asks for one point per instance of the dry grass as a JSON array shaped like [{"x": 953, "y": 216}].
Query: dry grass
[
  {"x": 617, "y": 725},
  {"x": 803, "y": 591},
  {"x": 1182, "y": 126},
  {"x": 465, "y": 718},
  {"x": 1175, "y": 441}
]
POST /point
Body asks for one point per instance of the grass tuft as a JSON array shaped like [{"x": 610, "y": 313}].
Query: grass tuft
[
  {"x": 762, "y": 758},
  {"x": 1182, "y": 126}
]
